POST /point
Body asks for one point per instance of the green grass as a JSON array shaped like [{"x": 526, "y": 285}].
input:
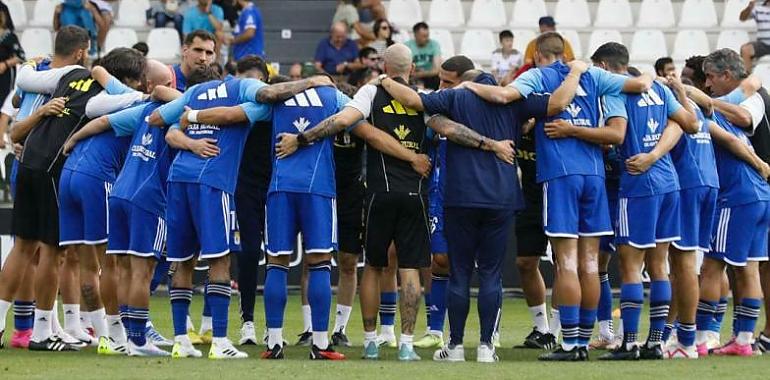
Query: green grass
[{"x": 516, "y": 363}]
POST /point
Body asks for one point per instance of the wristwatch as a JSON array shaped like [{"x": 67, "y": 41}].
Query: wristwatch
[
  {"x": 302, "y": 140},
  {"x": 380, "y": 78}
]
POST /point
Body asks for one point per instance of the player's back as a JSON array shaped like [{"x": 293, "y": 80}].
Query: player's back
[
  {"x": 100, "y": 155},
  {"x": 693, "y": 156}
]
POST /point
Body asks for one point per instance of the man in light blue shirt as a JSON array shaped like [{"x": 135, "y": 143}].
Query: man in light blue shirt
[{"x": 206, "y": 16}]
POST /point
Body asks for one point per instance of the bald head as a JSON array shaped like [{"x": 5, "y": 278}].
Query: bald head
[
  {"x": 338, "y": 33},
  {"x": 398, "y": 61},
  {"x": 157, "y": 74}
]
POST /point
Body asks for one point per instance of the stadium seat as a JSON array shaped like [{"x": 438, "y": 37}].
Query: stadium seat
[
  {"x": 131, "y": 13},
  {"x": 690, "y": 42},
  {"x": 648, "y": 45},
  {"x": 120, "y": 37},
  {"x": 656, "y": 14},
  {"x": 732, "y": 39},
  {"x": 762, "y": 70},
  {"x": 644, "y": 67},
  {"x": 521, "y": 38},
  {"x": 487, "y": 14},
  {"x": 445, "y": 40},
  {"x": 526, "y": 13},
  {"x": 402, "y": 35},
  {"x": 600, "y": 37},
  {"x": 572, "y": 13},
  {"x": 613, "y": 14},
  {"x": 730, "y": 16},
  {"x": 405, "y": 13},
  {"x": 574, "y": 40},
  {"x": 478, "y": 44},
  {"x": 698, "y": 14},
  {"x": 42, "y": 14},
  {"x": 446, "y": 13},
  {"x": 18, "y": 12},
  {"x": 37, "y": 42},
  {"x": 163, "y": 44}
]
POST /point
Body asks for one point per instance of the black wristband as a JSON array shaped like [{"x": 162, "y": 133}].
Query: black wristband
[
  {"x": 481, "y": 144},
  {"x": 302, "y": 140}
]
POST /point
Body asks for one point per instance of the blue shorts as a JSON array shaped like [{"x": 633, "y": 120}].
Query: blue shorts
[
  {"x": 438, "y": 244},
  {"x": 291, "y": 213},
  {"x": 740, "y": 234},
  {"x": 135, "y": 231},
  {"x": 201, "y": 219},
  {"x": 607, "y": 243},
  {"x": 83, "y": 215},
  {"x": 645, "y": 221},
  {"x": 574, "y": 206},
  {"x": 697, "y": 207}
]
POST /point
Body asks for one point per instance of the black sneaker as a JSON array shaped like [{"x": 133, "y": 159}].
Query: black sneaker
[
  {"x": 51, "y": 344},
  {"x": 561, "y": 355},
  {"x": 305, "y": 339},
  {"x": 583, "y": 352},
  {"x": 273, "y": 353},
  {"x": 339, "y": 339},
  {"x": 1, "y": 339},
  {"x": 326, "y": 354},
  {"x": 538, "y": 341},
  {"x": 763, "y": 342},
  {"x": 621, "y": 353},
  {"x": 651, "y": 353}
]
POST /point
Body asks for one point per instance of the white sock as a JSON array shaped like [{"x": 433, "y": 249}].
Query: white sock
[
  {"x": 341, "y": 320},
  {"x": 219, "y": 341},
  {"x": 388, "y": 330},
  {"x": 55, "y": 325},
  {"x": 71, "y": 317},
  {"x": 369, "y": 336},
  {"x": 183, "y": 340},
  {"x": 555, "y": 326},
  {"x": 41, "y": 329},
  {"x": 274, "y": 336},
  {"x": 4, "y": 307},
  {"x": 605, "y": 329},
  {"x": 190, "y": 325},
  {"x": 85, "y": 320},
  {"x": 116, "y": 330},
  {"x": 407, "y": 341},
  {"x": 539, "y": 318},
  {"x": 701, "y": 337},
  {"x": 437, "y": 333},
  {"x": 321, "y": 339},
  {"x": 744, "y": 338},
  {"x": 99, "y": 321},
  {"x": 205, "y": 324},
  {"x": 307, "y": 320},
  {"x": 619, "y": 330}
]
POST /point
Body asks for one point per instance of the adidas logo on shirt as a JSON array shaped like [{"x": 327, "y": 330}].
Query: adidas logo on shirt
[
  {"x": 214, "y": 93},
  {"x": 308, "y": 98}
]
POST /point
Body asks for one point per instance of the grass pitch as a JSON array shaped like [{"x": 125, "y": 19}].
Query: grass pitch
[{"x": 515, "y": 363}]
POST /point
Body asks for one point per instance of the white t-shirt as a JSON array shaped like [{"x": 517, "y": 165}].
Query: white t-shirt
[
  {"x": 502, "y": 64},
  {"x": 761, "y": 14},
  {"x": 363, "y": 99},
  {"x": 756, "y": 107}
]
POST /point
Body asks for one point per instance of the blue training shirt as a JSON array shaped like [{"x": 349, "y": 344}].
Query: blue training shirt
[
  {"x": 221, "y": 171},
  {"x": 250, "y": 18},
  {"x": 180, "y": 82},
  {"x": 310, "y": 169},
  {"x": 693, "y": 156},
  {"x": 570, "y": 156},
  {"x": 437, "y": 176}
]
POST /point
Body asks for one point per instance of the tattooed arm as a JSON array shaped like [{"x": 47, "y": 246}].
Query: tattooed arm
[
  {"x": 282, "y": 91},
  {"x": 288, "y": 143},
  {"x": 462, "y": 135}
]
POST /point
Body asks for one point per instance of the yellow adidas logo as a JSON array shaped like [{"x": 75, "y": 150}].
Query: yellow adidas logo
[
  {"x": 398, "y": 109},
  {"x": 402, "y": 132}
]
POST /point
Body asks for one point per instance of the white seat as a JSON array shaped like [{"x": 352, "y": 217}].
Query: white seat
[
  {"x": 613, "y": 14},
  {"x": 644, "y": 67},
  {"x": 521, "y": 38},
  {"x": 732, "y": 39},
  {"x": 762, "y": 70},
  {"x": 487, "y": 14},
  {"x": 446, "y": 13},
  {"x": 526, "y": 13},
  {"x": 478, "y": 44},
  {"x": 37, "y": 42},
  {"x": 689, "y": 43},
  {"x": 401, "y": 35},
  {"x": 731, "y": 12},
  {"x": 572, "y": 14},
  {"x": 698, "y": 14},
  {"x": 18, "y": 12},
  {"x": 405, "y": 13},
  {"x": 445, "y": 40},
  {"x": 648, "y": 45},
  {"x": 120, "y": 37},
  {"x": 574, "y": 40},
  {"x": 656, "y": 14},
  {"x": 601, "y": 37},
  {"x": 42, "y": 13},
  {"x": 163, "y": 44},
  {"x": 131, "y": 13}
]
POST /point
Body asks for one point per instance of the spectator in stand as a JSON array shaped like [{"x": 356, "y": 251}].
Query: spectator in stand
[
  {"x": 336, "y": 54},
  {"x": 230, "y": 9},
  {"x": 81, "y": 13},
  {"x": 103, "y": 21},
  {"x": 167, "y": 11},
  {"x": 248, "y": 35},
  {"x": 295, "y": 71},
  {"x": 761, "y": 47},
  {"x": 11, "y": 54},
  {"x": 547, "y": 24},
  {"x": 426, "y": 56},
  {"x": 370, "y": 62},
  {"x": 370, "y": 10},
  {"x": 141, "y": 47},
  {"x": 506, "y": 60},
  {"x": 348, "y": 13},
  {"x": 664, "y": 67},
  {"x": 383, "y": 32},
  {"x": 205, "y": 16},
  {"x": 9, "y": 22}
]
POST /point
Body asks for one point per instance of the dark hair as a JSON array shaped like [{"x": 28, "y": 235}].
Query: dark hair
[
  {"x": 346, "y": 89},
  {"x": 505, "y": 34},
  {"x": 199, "y": 33},
  {"x": 376, "y": 27},
  {"x": 614, "y": 54},
  {"x": 661, "y": 63},
  {"x": 253, "y": 62},
  {"x": 695, "y": 63},
  {"x": 69, "y": 39},
  {"x": 364, "y": 52},
  {"x": 458, "y": 64},
  {"x": 231, "y": 67},
  {"x": 124, "y": 63},
  {"x": 419, "y": 26},
  {"x": 550, "y": 44},
  {"x": 279, "y": 79},
  {"x": 218, "y": 67},
  {"x": 142, "y": 47},
  {"x": 202, "y": 74},
  {"x": 725, "y": 60},
  {"x": 633, "y": 71}
]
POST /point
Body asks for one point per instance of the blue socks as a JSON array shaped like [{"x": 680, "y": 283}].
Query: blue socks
[
  {"x": 123, "y": 312},
  {"x": 23, "y": 315},
  {"x": 631, "y": 300},
  {"x": 427, "y": 306},
  {"x": 747, "y": 314},
  {"x": 569, "y": 315},
  {"x": 438, "y": 288},
  {"x": 161, "y": 272},
  {"x": 721, "y": 309},
  {"x": 685, "y": 333},
  {"x": 319, "y": 295},
  {"x": 218, "y": 295},
  {"x": 388, "y": 302},
  {"x": 667, "y": 329},
  {"x": 586, "y": 326},
  {"x": 137, "y": 324},
  {"x": 704, "y": 316},
  {"x": 275, "y": 295},
  {"x": 660, "y": 299},
  {"x": 180, "y": 308},
  {"x": 604, "y": 312}
]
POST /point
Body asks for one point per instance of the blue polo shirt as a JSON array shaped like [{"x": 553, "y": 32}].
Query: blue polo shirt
[
  {"x": 330, "y": 56},
  {"x": 195, "y": 19},
  {"x": 250, "y": 18}
]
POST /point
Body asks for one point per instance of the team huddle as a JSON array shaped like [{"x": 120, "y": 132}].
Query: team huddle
[{"x": 133, "y": 171}]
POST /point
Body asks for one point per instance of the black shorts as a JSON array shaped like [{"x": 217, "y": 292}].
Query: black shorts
[
  {"x": 36, "y": 207},
  {"x": 250, "y": 210},
  {"x": 350, "y": 218},
  {"x": 760, "y": 49},
  {"x": 530, "y": 237},
  {"x": 400, "y": 218}
]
